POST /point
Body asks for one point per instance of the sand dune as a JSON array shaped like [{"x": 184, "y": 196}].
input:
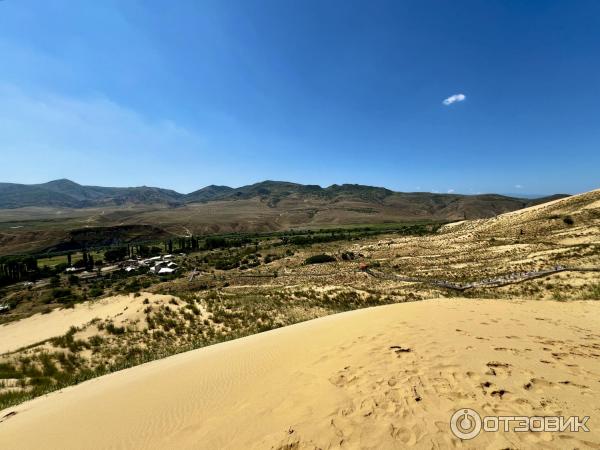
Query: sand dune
[
  {"x": 540, "y": 219},
  {"x": 386, "y": 377},
  {"x": 40, "y": 327}
]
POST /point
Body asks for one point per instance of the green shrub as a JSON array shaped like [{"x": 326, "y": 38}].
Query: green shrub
[
  {"x": 55, "y": 281},
  {"x": 112, "y": 329},
  {"x": 68, "y": 341},
  {"x": 61, "y": 293},
  {"x": 96, "y": 340},
  {"x": 594, "y": 292},
  {"x": 271, "y": 257},
  {"x": 7, "y": 370},
  {"x": 226, "y": 264},
  {"x": 96, "y": 292},
  {"x": 348, "y": 256},
  {"x": 319, "y": 259}
]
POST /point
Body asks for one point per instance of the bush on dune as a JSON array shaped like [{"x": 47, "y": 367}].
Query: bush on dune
[{"x": 319, "y": 259}]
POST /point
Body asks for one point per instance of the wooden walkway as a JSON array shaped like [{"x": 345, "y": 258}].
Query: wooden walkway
[{"x": 513, "y": 278}]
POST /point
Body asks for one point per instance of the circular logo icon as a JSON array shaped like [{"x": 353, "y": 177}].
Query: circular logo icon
[{"x": 465, "y": 424}]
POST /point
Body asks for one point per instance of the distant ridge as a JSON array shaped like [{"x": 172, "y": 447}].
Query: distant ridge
[
  {"x": 208, "y": 193},
  {"x": 68, "y": 194}
]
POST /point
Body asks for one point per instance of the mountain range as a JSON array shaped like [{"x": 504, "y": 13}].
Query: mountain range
[
  {"x": 68, "y": 194},
  {"x": 63, "y": 213}
]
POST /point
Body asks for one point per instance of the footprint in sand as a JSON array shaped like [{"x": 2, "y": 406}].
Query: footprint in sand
[
  {"x": 540, "y": 383},
  {"x": 399, "y": 349},
  {"x": 472, "y": 375},
  {"x": 496, "y": 368},
  {"x": 344, "y": 377},
  {"x": 514, "y": 351},
  {"x": 485, "y": 385},
  {"x": 575, "y": 385},
  {"x": 500, "y": 393},
  {"x": 404, "y": 435}
]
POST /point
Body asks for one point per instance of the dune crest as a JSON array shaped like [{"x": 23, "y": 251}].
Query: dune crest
[{"x": 385, "y": 377}]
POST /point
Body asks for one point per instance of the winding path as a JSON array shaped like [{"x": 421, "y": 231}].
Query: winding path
[{"x": 512, "y": 278}]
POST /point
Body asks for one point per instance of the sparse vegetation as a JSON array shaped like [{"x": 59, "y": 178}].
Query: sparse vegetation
[
  {"x": 235, "y": 285},
  {"x": 593, "y": 293}
]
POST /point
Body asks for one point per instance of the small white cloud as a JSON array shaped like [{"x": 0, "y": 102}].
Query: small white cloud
[
  {"x": 454, "y": 98},
  {"x": 450, "y": 191},
  {"x": 518, "y": 186}
]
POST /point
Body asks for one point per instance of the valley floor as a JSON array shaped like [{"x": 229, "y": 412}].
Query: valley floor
[{"x": 383, "y": 377}]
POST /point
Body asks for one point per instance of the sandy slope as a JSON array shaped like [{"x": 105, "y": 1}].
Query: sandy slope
[
  {"x": 40, "y": 327},
  {"x": 537, "y": 216},
  {"x": 335, "y": 382}
]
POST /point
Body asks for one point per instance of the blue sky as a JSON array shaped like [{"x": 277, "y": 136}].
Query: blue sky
[{"x": 189, "y": 93}]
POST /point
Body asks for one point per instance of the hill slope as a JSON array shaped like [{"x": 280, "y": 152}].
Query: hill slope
[
  {"x": 339, "y": 378},
  {"x": 576, "y": 217}
]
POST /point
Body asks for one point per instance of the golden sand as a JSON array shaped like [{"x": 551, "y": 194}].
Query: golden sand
[
  {"x": 39, "y": 327},
  {"x": 385, "y": 377}
]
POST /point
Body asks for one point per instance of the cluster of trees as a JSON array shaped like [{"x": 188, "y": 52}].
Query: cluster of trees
[
  {"x": 86, "y": 262},
  {"x": 116, "y": 254},
  {"x": 310, "y": 237},
  {"x": 120, "y": 253},
  {"x": 194, "y": 243},
  {"x": 418, "y": 229},
  {"x": 17, "y": 268},
  {"x": 146, "y": 251},
  {"x": 215, "y": 242},
  {"x": 184, "y": 245}
]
